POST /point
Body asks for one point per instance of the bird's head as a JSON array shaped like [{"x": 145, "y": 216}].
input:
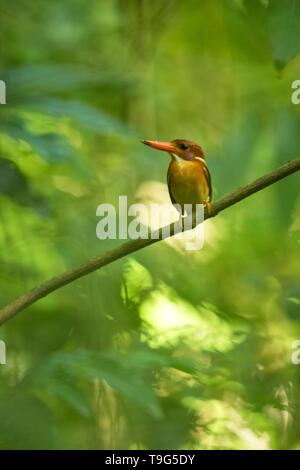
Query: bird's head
[{"x": 178, "y": 148}]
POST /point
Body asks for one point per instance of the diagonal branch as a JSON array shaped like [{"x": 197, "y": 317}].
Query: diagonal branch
[{"x": 91, "y": 265}]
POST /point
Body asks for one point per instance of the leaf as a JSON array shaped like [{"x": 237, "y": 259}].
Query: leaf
[
  {"x": 51, "y": 146},
  {"x": 70, "y": 393},
  {"x": 82, "y": 365},
  {"x": 137, "y": 281},
  {"x": 12, "y": 181},
  {"x": 63, "y": 374},
  {"x": 284, "y": 28},
  {"x": 43, "y": 80},
  {"x": 82, "y": 113},
  {"x": 14, "y": 184}
]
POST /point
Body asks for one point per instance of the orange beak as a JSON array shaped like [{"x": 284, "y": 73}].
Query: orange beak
[{"x": 164, "y": 146}]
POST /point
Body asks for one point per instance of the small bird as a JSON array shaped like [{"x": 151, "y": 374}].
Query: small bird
[{"x": 189, "y": 181}]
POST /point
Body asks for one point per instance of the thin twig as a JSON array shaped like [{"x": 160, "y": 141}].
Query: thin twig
[{"x": 91, "y": 265}]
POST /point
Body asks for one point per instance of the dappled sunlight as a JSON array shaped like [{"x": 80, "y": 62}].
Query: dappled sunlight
[
  {"x": 225, "y": 420},
  {"x": 170, "y": 321}
]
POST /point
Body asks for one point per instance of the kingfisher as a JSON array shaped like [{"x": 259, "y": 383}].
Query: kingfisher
[{"x": 189, "y": 180}]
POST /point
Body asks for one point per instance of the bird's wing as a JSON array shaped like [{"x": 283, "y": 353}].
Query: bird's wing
[
  {"x": 208, "y": 179},
  {"x": 169, "y": 187}
]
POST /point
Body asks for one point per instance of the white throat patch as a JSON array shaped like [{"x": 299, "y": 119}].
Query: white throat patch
[
  {"x": 178, "y": 159},
  {"x": 200, "y": 159}
]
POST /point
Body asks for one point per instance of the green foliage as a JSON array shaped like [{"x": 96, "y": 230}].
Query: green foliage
[
  {"x": 167, "y": 348},
  {"x": 284, "y": 24}
]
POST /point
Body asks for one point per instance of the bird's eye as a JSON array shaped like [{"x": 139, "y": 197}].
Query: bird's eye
[{"x": 183, "y": 146}]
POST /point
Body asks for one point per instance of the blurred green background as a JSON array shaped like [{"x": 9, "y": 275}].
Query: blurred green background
[{"x": 165, "y": 348}]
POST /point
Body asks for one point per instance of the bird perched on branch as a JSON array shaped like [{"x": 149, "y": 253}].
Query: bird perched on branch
[{"x": 189, "y": 180}]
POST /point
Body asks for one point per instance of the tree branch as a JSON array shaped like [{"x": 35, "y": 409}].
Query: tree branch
[{"x": 91, "y": 265}]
